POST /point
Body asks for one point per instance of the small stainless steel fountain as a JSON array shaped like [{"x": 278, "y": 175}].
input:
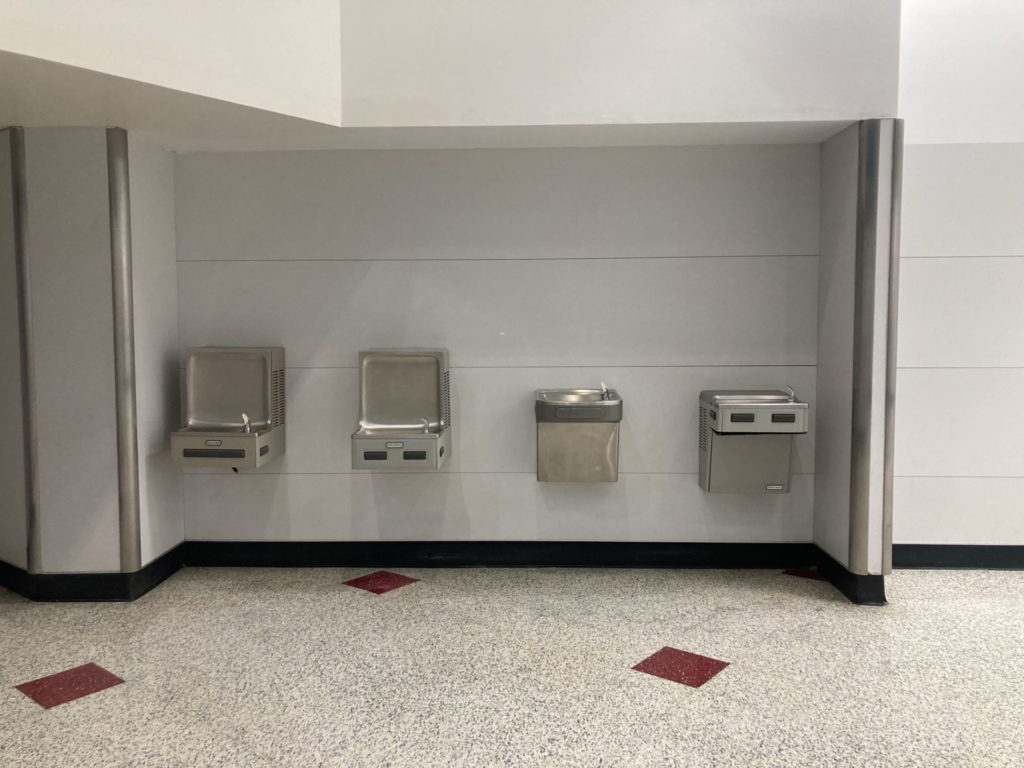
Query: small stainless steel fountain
[{"x": 578, "y": 435}]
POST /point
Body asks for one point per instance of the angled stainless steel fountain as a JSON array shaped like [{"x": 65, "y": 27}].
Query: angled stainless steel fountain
[
  {"x": 404, "y": 410},
  {"x": 235, "y": 408}
]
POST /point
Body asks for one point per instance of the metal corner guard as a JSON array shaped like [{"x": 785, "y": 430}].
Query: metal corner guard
[
  {"x": 874, "y": 359},
  {"x": 19, "y": 190},
  {"x": 124, "y": 350}
]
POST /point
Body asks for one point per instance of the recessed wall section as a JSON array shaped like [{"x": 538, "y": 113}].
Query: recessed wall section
[
  {"x": 486, "y": 507},
  {"x": 509, "y": 204},
  {"x": 726, "y": 311},
  {"x": 660, "y": 271}
]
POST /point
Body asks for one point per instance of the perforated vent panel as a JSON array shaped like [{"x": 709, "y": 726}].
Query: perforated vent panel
[
  {"x": 277, "y": 398},
  {"x": 702, "y": 429},
  {"x": 446, "y": 399}
]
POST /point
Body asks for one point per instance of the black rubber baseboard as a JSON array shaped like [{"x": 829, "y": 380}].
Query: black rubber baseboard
[
  {"x": 868, "y": 590},
  {"x": 864, "y": 590},
  {"x": 859, "y": 589},
  {"x": 973, "y": 556},
  {"x": 496, "y": 554},
  {"x": 91, "y": 587}
]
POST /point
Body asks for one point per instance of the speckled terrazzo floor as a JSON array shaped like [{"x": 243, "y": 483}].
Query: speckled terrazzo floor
[{"x": 502, "y": 667}]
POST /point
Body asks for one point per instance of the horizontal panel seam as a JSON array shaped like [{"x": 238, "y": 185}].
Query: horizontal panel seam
[
  {"x": 502, "y": 259},
  {"x": 960, "y": 368},
  {"x": 963, "y": 477},
  {"x": 526, "y": 367},
  {"x": 967, "y": 257},
  {"x": 481, "y": 472}
]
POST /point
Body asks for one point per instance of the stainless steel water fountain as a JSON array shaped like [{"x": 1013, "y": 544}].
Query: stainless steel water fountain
[
  {"x": 745, "y": 439},
  {"x": 404, "y": 410},
  {"x": 578, "y": 435},
  {"x": 235, "y": 408}
]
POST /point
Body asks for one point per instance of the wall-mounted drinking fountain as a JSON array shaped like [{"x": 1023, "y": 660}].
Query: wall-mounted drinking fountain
[
  {"x": 404, "y": 410},
  {"x": 235, "y": 408},
  {"x": 745, "y": 439},
  {"x": 578, "y": 435}
]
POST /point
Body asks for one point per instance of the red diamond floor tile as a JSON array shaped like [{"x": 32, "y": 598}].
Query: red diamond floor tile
[
  {"x": 690, "y": 669},
  {"x": 69, "y": 685},
  {"x": 806, "y": 573},
  {"x": 380, "y": 582}
]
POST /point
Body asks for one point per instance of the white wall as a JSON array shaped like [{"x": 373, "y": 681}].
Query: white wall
[
  {"x": 13, "y": 531},
  {"x": 521, "y": 62},
  {"x": 278, "y": 55},
  {"x": 155, "y": 291},
  {"x": 960, "y": 469},
  {"x": 836, "y": 288},
  {"x": 661, "y": 271},
  {"x": 72, "y": 324},
  {"x": 960, "y": 71}
]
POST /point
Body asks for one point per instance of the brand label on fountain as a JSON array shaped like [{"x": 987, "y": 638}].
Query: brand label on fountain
[
  {"x": 395, "y": 445},
  {"x": 214, "y": 442}
]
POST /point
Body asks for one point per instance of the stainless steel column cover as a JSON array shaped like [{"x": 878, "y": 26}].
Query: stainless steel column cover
[
  {"x": 124, "y": 349},
  {"x": 890, "y": 362},
  {"x": 876, "y": 274},
  {"x": 19, "y": 187}
]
